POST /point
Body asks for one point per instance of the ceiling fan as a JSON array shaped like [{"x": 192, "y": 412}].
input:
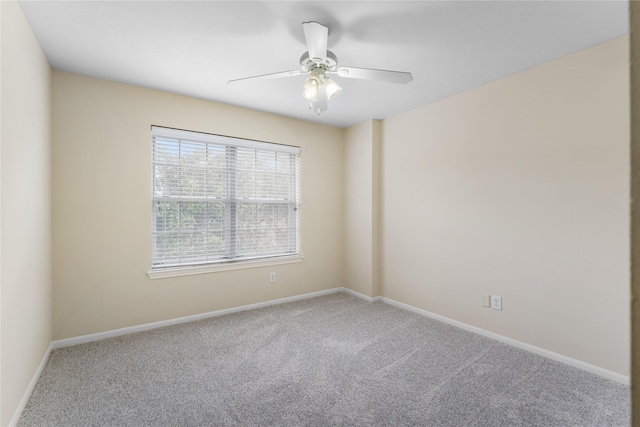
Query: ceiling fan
[{"x": 318, "y": 63}]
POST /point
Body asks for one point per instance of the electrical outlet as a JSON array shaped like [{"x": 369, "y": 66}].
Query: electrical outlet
[
  {"x": 272, "y": 277},
  {"x": 486, "y": 301},
  {"x": 496, "y": 302}
]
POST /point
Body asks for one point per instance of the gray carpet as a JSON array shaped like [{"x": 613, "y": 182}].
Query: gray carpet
[{"x": 334, "y": 360}]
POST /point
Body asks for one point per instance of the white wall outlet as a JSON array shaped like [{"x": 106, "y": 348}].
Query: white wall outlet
[
  {"x": 486, "y": 301},
  {"x": 272, "y": 277},
  {"x": 496, "y": 302}
]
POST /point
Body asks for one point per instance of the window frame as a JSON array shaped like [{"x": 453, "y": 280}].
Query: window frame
[{"x": 231, "y": 144}]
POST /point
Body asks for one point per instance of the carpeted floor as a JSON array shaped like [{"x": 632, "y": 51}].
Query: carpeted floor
[{"x": 334, "y": 360}]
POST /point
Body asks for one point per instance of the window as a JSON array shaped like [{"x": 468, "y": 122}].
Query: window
[{"x": 219, "y": 199}]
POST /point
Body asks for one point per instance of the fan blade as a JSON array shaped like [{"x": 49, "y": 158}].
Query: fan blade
[
  {"x": 268, "y": 76},
  {"x": 316, "y": 35},
  {"x": 378, "y": 75}
]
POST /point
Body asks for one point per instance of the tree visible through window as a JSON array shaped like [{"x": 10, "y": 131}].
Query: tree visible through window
[{"x": 220, "y": 199}]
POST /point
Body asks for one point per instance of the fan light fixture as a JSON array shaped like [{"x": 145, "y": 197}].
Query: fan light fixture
[
  {"x": 318, "y": 88},
  {"x": 317, "y": 62}
]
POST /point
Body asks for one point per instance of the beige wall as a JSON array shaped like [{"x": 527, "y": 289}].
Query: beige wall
[
  {"x": 358, "y": 193},
  {"x": 361, "y": 211},
  {"x": 519, "y": 188},
  {"x": 25, "y": 231},
  {"x": 102, "y": 207}
]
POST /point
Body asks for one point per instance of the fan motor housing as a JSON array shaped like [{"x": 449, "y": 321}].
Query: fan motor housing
[{"x": 330, "y": 62}]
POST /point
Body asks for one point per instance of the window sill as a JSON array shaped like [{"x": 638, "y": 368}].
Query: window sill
[{"x": 161, "y": 273}]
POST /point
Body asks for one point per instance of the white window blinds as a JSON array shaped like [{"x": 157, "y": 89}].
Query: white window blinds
[{"x": 220, "y": 199}]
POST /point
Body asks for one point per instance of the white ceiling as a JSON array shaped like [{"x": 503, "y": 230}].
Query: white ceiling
[{"x": 194, "y": 48}]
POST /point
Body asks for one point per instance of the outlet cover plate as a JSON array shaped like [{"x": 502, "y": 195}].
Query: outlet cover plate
[{"x": 496, "y": 302}]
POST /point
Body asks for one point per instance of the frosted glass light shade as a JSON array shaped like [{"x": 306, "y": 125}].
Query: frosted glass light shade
[
  {"x": 331, "y": 87},
  {"x": 311, "y": 87}
]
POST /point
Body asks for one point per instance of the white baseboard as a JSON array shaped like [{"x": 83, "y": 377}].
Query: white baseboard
[
  {"x": 614, "y": 376},
  {"x": 27, "y": 394},
  {"x": 359, "y": 295},
  {"x": 619, "y": 378},
  {"x": 148, "y": 326}
]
